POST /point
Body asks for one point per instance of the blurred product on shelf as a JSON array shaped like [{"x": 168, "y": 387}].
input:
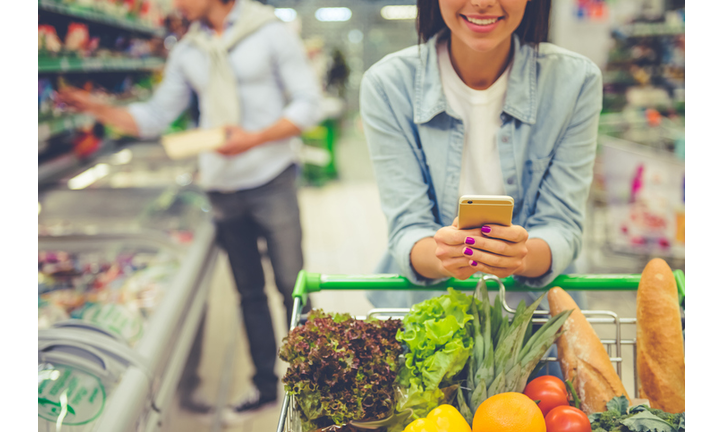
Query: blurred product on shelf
[
  {"x": 76, "y": 40},
  {"x": 48, "y": 39},
  {"x": 116, "y": 291},
  {"x": 147, "y": 12},
  {"x": 80, "y": 43},
  {"x": 646, "y": 63},
  {"x": 88, "y": 142}
]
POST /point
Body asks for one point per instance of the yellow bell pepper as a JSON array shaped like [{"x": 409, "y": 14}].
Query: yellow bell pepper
[{"x": 444, "y": 418}]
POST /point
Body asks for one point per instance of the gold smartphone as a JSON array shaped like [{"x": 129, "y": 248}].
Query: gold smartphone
[{"x": 478, "y": 210}]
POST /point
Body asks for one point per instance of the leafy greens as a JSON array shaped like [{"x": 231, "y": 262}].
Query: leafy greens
[
  {"x": 341, "y": 369},
  {"x": 437, "y": 333},
  {"x": 639, "y": 418}
]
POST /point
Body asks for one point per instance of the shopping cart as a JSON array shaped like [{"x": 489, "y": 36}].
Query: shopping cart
[{"x": 314, "y": 282}]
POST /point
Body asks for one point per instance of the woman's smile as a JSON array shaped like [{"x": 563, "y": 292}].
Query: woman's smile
[{"x": 481, "y": 23}]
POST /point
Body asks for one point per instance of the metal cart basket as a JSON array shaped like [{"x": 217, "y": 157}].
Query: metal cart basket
[{"x": 313, "y": 282}]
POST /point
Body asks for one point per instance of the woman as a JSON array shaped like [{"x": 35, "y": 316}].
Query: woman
[{"x": 481, "y": 106}]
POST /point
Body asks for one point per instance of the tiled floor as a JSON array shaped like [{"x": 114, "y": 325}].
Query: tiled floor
[{"x": 344, "y": 233}]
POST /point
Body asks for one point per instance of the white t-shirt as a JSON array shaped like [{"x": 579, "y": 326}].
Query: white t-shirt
[{"x": 480, "y": 111}]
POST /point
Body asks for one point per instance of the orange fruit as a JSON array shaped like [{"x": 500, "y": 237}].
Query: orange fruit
[{"x": 508, "y": 412}]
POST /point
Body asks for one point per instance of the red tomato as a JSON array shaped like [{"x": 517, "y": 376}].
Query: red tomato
[
  {"x": 567, "y": 419},
  {"x": 549, "y": 390}
]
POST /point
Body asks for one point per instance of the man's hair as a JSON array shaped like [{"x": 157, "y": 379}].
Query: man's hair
[{"x": 533, "y": 28}]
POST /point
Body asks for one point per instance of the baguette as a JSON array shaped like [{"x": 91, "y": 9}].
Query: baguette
[
  {"x": 583, "y": 358},
  {"x": 660, "y": 346}
]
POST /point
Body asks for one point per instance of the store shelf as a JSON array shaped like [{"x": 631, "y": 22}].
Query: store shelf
[
  {"x": 57, "y": 167},
  {"x": 654, "y": 29},
  {"x": 70, "y": 64},
  {"x": 49, "y": 128},
  {"x": 100, "y": 17}
]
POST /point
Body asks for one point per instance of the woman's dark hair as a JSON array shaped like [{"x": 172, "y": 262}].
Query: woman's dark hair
[{"x": 533, "y": 28}]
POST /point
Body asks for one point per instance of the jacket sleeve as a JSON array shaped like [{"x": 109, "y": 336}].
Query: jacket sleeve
[
  {"x": 560, "y": 210},
  {"x": 397, "y": 163},
  {"x": 298, "y": 79},
  {"x": 169, "y": 100}
]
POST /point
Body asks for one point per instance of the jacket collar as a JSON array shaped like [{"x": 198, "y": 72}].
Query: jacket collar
[
  {"x": 235, "y": 12},
  {"x": 429, "y": 99}
]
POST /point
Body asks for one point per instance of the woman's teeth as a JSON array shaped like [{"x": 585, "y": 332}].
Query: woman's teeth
[{"x": 482, "y": 21}]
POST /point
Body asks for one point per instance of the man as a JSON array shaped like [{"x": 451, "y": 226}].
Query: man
[{"x": 252, "y": 77}]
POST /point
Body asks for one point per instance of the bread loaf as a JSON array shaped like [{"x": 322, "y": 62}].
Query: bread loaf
[
  {"x": 583, "y": 357},
  {"x": 660, "y": 346}
]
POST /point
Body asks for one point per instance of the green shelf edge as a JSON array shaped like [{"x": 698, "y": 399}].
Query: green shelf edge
[
  {"x": 71, "y": 64},
  {"x": 100, "y": 17}
]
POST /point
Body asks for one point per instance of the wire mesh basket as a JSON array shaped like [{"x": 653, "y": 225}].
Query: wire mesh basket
[{"x": 290, "y": 421}]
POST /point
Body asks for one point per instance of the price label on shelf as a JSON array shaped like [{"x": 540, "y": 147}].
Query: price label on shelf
[
  {"x": 43, "y": 131},
  {"x": 64, "y": 64},
  {"x": 93, "y": 64}
]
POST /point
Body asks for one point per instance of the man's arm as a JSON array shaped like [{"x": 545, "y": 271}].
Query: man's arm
[
  {"x": 239, "y": 140},
  {"x": 117, "y": 117},
  {"x": 147, "y": 119}
]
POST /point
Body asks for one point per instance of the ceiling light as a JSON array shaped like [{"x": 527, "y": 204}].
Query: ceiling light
[
  {"x": 333, "y": 14},
  {"x": 399, "y": 12},
  {"x": 286, "y": 14}
]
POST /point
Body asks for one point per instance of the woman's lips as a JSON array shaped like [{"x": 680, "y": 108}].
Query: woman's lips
[{"x": 481, "y": 24}]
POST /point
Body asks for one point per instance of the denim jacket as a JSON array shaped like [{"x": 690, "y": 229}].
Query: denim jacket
[{"x": 546, "y": 144}]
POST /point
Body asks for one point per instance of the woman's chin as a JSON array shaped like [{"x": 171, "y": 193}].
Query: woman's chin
[{"x": 482, "y": 45}]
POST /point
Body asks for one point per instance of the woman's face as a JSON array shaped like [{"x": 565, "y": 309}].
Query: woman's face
[{"x": 482, "y": 25}]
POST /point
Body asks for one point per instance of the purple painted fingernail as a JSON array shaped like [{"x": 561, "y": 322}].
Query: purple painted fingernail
[
  {"x": 469, "y": 241},
  {"x": 486, "y": 229},
  {"x": 474, "y": 263},
  {"x": 467, "y": 251}
]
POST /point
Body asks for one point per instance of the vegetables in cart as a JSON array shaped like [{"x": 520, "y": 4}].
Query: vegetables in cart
[
  {"x": 438, "y": 334},
  {"x": 508, "y": 412},
  {"x": 640, "y": 418},
  {"x": 505, "y": 354},
  {"x": 444, "y": 418},
  {"x": 566, "y": 418},
  {"x": 549, "y": 390},
  {"x": 341, "y": 369}
]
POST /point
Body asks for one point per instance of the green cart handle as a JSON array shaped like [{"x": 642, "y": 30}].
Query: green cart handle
[{"x": 308, "y": 282}]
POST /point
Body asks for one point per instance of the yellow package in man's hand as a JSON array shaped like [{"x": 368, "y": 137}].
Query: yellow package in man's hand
[{"x": 190, "y": 143}]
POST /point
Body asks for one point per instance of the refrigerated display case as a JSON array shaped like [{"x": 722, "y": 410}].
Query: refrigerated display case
[
  {"x": 638, "y": 193},
  {"x": 125, "y": 257}
]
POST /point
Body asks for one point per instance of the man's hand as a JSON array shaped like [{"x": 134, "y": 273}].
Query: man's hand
[
  {"x": 77, "y": 99},
  {"x": 82, "y": 101},
  {"x": 238, "y": 141}
]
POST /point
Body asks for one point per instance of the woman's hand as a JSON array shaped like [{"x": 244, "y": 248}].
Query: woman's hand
[{"x": 493, "y": 249}]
